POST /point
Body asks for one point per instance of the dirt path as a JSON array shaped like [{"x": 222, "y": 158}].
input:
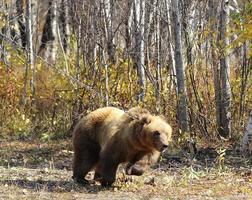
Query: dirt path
[{"x": 35, "y": 171}]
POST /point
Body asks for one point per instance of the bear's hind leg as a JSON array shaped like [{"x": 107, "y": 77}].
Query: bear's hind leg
[
  {"x": 84, "y": 160},
  {"x": 108, "y": 173},
  {"x": 106, "y": 168}
]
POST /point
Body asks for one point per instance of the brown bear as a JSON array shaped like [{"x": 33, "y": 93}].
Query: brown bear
[{"x": 109, "y": 136}]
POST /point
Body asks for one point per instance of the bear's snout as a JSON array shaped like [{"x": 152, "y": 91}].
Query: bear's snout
[{"x": 161, "y": 146}]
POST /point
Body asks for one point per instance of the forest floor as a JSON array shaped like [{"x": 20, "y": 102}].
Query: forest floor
[{"x": 39, "y": 170}]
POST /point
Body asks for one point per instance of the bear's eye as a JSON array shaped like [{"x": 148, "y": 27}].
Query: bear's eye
[{"x": 156, "y": 134}]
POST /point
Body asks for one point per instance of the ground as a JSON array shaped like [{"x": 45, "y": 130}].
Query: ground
[{"x": 39, "y": 170}]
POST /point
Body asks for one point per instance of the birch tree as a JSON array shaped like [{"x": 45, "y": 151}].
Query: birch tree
[
  {"x": 139, "y": 19},
  {"x": 30, "y": 53},
  {"x": 48, "y": 45},
  {"x": 65, "y": 18},
  {"x": 109, "y": 9},
  {"x": 21, "y": 21},
  {"x": 4, "y": 32},
  {"x": 180, "y": 73},
  {"x": 247, "y": 137},
  {"x": 158, "y": 56},
  {"x": 170, "y": 49}
]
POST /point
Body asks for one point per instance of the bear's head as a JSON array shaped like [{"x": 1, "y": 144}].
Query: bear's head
[{"x": 153, "y": 132}]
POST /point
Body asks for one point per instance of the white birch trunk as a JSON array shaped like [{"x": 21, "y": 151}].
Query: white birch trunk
[
  {"x": 52, "y": 48},
  {"x": 247, "y": 137},
  {"x": 171, "y": 55},
  {"x": 158, "y": 58},
  {"x": 109, "y": 13},
  {"x": 65, "y": 25},
  {"x": 48, "y": 47},
  {"x": 30, "y": 53},
  {"x": 21, "y": 22},
  {"x": 139, "y": 15},
  {"x": 4, "y": 32}
]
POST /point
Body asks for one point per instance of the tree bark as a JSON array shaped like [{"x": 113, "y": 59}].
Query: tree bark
[
  {"x": 21, "y": 22},
  {"x": 158, "y": 58},
  {"x": 212, "y": 5},
  {"x": 247, "y": 137},
  {"x": 5, "y": 32},
  {"x": 225, "y": 112},
  {"x": 30, "y": 54},
  {"x": 48, "y": 45},
  {"x": 109, "y": 9},
  {"x": 180, "y": 74},
  {"x": 139, "y": 19},
  {"x": 64, "y": 18},
  {"x": 171, "y": 52},
  {"x": 128, "y": 28}
]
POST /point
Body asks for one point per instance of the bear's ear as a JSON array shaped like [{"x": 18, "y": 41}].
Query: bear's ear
[
  {"x": 139, "y": 123},
  {"x": 145, "y": 119}
]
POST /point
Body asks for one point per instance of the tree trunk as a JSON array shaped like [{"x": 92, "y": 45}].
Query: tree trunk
[
  {"x": 247, "y": 137},
  {"x": 212, "y": 5},
  {"x": 128, "y": 28},
  {"x": 171, "y": 56},
  {"x": 181, "y": 88},
  {"x": 139, "y": 18},
  {"x": 5, "y": 32},
  {"x": 225, "y": 112},
  {"x": 109, "y": 9},
  {"x": 77, "y": 102},
  {"x": 64, "y": 18},
  {"x": 30, "y": 54},
  {"x": 21, "y": 22},
  {"x": 158, "y": 59},
  {"x": 48, "y": 45}
]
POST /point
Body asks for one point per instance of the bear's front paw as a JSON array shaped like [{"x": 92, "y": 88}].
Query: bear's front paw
[
  {"x": 134, "y": 170},
  {"x": 80, "y": 181}
]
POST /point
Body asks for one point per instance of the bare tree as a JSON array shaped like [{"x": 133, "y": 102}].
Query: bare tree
[
  {"x": 170, "y": 49},
  {"x": 4, "y": 32},
  {"x": 212, "y": 6},
  {"x": 158, "y": 56},
  {"x": 247, "y": 137},
  {"x": 225, "y": 88},
  {"x": 65, "y": 23},
  {"x": 21, "y": 21},
  {"x": 109, "y": 9},
  {"x": 139, "y": 19},
  {"x": 128, "y": 26},
  {"x": 30, "y": 53},
  {"x": 48, "y": 45},
  {"x": 180, "y": 74}
]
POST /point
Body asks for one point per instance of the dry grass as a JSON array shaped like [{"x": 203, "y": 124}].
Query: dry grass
[{"x": 31, "y": 170}]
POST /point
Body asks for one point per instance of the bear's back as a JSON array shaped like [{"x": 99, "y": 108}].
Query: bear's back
[{"x": 105, "y": 122}]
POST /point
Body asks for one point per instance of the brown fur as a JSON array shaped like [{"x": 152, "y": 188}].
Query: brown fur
[
  {"x": 142, "y": 165},
  {"x": 108, "y": 136}
]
